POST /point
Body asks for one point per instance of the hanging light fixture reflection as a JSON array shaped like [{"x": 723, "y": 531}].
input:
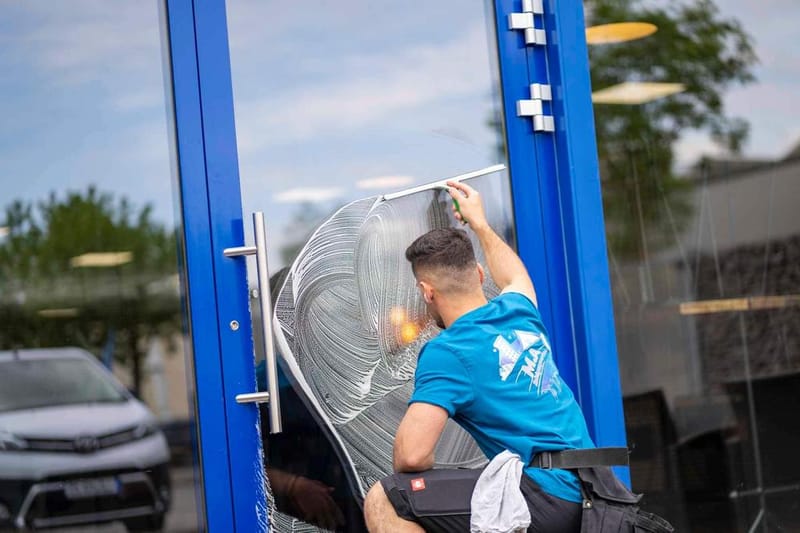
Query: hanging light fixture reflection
[
  {"x": 619, "y": 32},
  {"x": 61, "y": 312},
  {"x": 409, "y": 332},
  {"x": 398, "y": 316},
  {"x": 101, "y": 259},
  {"x": 636, "y": 92}
]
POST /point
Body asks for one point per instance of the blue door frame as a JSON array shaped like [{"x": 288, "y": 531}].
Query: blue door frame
[
  {"x": 573, "y": 170},
  {"x": 558, "y": 213},
  {"x": 234, "y": 496}
]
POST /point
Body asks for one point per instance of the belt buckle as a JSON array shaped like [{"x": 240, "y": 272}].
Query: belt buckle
[{"x": 545, "y": 461}]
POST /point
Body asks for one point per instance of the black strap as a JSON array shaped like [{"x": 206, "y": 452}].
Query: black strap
[{"x": 581, "y": 458}]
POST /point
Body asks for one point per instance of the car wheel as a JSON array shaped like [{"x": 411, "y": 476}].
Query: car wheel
[{"x": 146, "y": 523}]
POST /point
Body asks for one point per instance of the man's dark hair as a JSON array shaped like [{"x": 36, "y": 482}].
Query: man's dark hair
[{"x": 447, "y": 248}]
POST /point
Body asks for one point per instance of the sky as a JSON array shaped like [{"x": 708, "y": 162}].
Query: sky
[
  {"x": 82, "y": 101},
  {"x": 769, "y": 104},
  {"x": 403, "y": 100},
  {"x": 328, "y": 95}
]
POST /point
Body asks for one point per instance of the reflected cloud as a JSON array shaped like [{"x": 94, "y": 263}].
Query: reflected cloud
[
  {"x": 85, "y": 79},
  {"x": 74, "y": 41},
  {"x": 385, "y": 182},
  {"x": 308, "y": 194},
  {"x": 370, "y": 88},
  {"x": 692, "y": 147},
  {"x": 138, "y": 101}
]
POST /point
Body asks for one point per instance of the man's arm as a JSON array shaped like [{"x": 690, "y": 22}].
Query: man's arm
[
  {"x": 417, "y": 436},
  {"x": 504, "y": 265}
]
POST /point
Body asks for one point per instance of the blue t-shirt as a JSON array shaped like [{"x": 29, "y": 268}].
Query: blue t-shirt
[{"x": 493, "y": 372}]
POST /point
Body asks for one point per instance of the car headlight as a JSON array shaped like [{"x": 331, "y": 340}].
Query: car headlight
[
  {"x": 145, "y": 429},
  {"x": 9, "y": 442}
]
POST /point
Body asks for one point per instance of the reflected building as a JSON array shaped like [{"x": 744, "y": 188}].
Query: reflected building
[
  {"x": 707, "y": 335},
  {"x": 703, "y": 242}
]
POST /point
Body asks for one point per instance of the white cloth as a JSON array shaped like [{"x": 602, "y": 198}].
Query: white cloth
[{"x": 498, "y": 505}]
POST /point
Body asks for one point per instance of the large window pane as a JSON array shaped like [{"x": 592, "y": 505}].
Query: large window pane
[
  {"x": 96, "y": 410},
  {"x": 698, "y": 143},
  {"x": 337, "y": 104}
]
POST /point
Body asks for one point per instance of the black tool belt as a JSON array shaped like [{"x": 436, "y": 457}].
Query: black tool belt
[
  {"x": 608, "y": 505},
  {"x": 581, "y": 458}
]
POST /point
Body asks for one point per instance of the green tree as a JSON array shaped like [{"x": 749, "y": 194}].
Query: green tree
[
  {"x": 302, "y": 224},
  {"x": 694, "y": 45},
  {"x": 47, "y": 300}
]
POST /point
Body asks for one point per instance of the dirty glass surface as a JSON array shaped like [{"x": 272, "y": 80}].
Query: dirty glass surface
[
  {"x": 336, "y": 104},
  {"x": 96, "y": 396},
  {"x": 700, "y": 192}
]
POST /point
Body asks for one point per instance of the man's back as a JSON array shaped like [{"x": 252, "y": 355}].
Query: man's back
[{"x": 492, "y": 370}]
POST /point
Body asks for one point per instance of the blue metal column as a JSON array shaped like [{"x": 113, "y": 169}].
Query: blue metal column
[
  {"x": 245, "y": 455},
  {"x": 232, "y": 469},
  {"x": 529, "y": 198},
  {"x": 564, "y": 188},
  {"x": 576, "y": 178},
  {"x": 187, "y": 131}
]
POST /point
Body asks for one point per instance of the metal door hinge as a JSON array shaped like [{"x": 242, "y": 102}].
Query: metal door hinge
[
  {"x": 534, "y": 107},
  {"x": 525, "y": 21}
]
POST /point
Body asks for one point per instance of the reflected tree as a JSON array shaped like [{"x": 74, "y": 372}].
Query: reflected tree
[
  {"x": 694, "y": 45},
  {"x": 51, "y": 299},
  {"x": 301, "y": 224}
]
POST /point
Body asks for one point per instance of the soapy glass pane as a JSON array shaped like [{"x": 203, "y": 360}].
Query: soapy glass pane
[
  {"x": 352, "y": 324},
  {"x": 338, "y": 103}
]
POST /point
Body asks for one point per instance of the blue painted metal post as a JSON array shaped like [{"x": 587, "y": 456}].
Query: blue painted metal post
[
  {"x": 563, "y": 190},
  {"x": 526, "y": 176},
  {"x": 577, "y": 179},
  {"x": 230, "y": 280},
  {"x": 189, "y": 154}
]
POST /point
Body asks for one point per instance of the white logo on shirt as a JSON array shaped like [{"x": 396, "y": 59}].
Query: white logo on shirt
[
  {"x": 509, "y": 352},
  {"x": 537, "y": 364}
]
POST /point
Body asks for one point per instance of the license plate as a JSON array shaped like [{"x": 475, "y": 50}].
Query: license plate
[{"x": 91, "y": 488}]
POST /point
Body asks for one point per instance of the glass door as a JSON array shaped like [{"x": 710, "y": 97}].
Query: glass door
[
  {"x": 703, "y": 238},
  {"x": 340, "y": 109},
  {"x": 97, "y": 403}
]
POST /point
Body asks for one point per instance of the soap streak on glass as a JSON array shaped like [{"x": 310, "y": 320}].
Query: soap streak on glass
[{"x": 350, "y": 325}]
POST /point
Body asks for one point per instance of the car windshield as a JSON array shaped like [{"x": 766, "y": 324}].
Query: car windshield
[{"x": 25, "y": 384}]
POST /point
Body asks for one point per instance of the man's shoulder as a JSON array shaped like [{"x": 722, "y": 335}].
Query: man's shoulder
[
  {"x": 439, "y": 357},
  {"x": 438, "y": 344},
  {"x": 511, "y": 296},
  {"x": 511, "y": 306}
]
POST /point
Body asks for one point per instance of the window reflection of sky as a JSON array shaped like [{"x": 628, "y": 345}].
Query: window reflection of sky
[
  {"x": 81, "y": 104},
  {"x": 331, "y": 94}
]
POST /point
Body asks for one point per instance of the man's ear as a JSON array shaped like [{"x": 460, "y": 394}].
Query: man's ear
[
  {"x": 427, "y": 292},
  {"x": 481, "y": 273}
]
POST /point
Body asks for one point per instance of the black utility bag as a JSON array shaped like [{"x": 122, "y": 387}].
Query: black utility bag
[{"x": 608, "y": 505}]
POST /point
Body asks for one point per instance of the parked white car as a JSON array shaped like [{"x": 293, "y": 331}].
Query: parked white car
[{"x": 75, "y": 446}]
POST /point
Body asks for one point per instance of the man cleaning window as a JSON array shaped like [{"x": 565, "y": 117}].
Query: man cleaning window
[{"x": 491, "y": 369}]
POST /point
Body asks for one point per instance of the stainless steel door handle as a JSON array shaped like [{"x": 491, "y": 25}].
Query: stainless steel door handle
[
  {"x": 253, "y": 397},
  {"x": 265, "y": 304}
]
